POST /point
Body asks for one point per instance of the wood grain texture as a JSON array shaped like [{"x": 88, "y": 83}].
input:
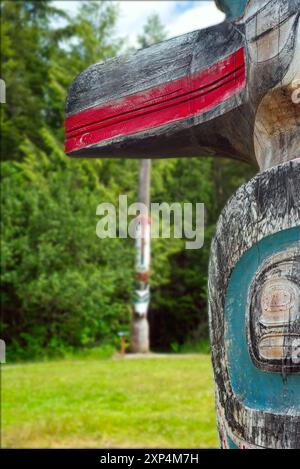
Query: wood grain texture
[
  {"x": 274, "y": 313},
  {"x": 254, "y": 271},
  {"x": 170, "y": 102},
  {"x": 267, "y": 205},
  {"x": 152, "y": 66},
  {"x": 235, "y": 124},
  {"x": 159, "y": 65}
]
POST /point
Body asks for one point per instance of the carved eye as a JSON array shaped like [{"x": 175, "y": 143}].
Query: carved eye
[
  {"x": 269, "y": 44},
  {"x": 274, "y": 315}
]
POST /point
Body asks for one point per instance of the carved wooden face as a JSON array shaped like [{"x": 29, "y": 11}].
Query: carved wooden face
[
  {"x": 254, "y": 300},
  {"x": 274, "y": 314}
]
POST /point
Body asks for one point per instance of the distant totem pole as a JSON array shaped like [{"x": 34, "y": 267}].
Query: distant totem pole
[
  {"x": 139, "y": 337},
  {"x": 231, "y": 90}
]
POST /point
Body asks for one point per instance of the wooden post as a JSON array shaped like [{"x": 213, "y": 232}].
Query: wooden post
[
  {"x": 139, "y": 340},
  {"x": 123, "y": 346},
  {"x": 225, "y": 91},
  {"x": 122, "y": 335}
]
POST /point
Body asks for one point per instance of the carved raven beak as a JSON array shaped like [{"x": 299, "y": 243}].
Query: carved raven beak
[
  {"x": 224, "y": 91},
  {"x": 138, "y": 106},
  {"x": 194, "y": 95}
]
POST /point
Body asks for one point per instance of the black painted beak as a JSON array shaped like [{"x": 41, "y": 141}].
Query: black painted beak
[
  {"x": 165, "y": 100},
  {"x": 194, "y": 95}
]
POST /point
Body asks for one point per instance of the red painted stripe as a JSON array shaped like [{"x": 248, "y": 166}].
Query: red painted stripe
[{"x": 157, "y": 106}]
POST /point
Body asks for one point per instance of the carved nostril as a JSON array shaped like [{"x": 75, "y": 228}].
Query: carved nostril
[{"x": 278, "y": 299}]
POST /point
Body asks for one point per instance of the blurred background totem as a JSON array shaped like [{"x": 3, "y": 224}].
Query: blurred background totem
[{"x": 226, "y": 91}]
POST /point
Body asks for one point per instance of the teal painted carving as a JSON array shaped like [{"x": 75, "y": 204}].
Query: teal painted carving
[
  {"x": 254, "y": 287},
  {"x": 225, "y": 91},
  {"x": 253, "y": 386}
]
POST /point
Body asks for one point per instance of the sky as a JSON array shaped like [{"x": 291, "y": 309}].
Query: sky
[{"x": 178, "y": 16}]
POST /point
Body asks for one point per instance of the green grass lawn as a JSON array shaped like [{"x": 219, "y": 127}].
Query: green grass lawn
[{"x": 158, "y": 402}]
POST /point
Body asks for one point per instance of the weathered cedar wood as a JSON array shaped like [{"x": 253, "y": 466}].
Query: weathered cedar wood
[{"x": 225, "y": 91}]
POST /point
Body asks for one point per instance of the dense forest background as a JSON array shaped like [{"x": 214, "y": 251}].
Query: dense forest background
[{"x": 62, "y": 287}]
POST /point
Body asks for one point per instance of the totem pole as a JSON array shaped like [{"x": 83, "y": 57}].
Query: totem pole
[
  {"x": 139, "y": 337},
  {"x": 226, "y": 91}
]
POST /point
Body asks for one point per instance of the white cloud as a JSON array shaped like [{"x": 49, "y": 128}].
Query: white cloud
[
  {"x": 134, "y": 14},
  {"x": 178, "y": 16},
  {"x": 201, "y": 15}
]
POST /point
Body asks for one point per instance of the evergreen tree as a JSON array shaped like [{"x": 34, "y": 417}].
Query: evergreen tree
[
  {"x": 61, "y": 287},
  {"x": 153, "y": 32},
  {"x": 25, "y": 51}
]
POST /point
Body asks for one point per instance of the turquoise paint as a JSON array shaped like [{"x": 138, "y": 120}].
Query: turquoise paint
[
  {"x": 253, "y": 387},
  {"x": 231, "y": 444},
  {"x": 232, "y": 8}
]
